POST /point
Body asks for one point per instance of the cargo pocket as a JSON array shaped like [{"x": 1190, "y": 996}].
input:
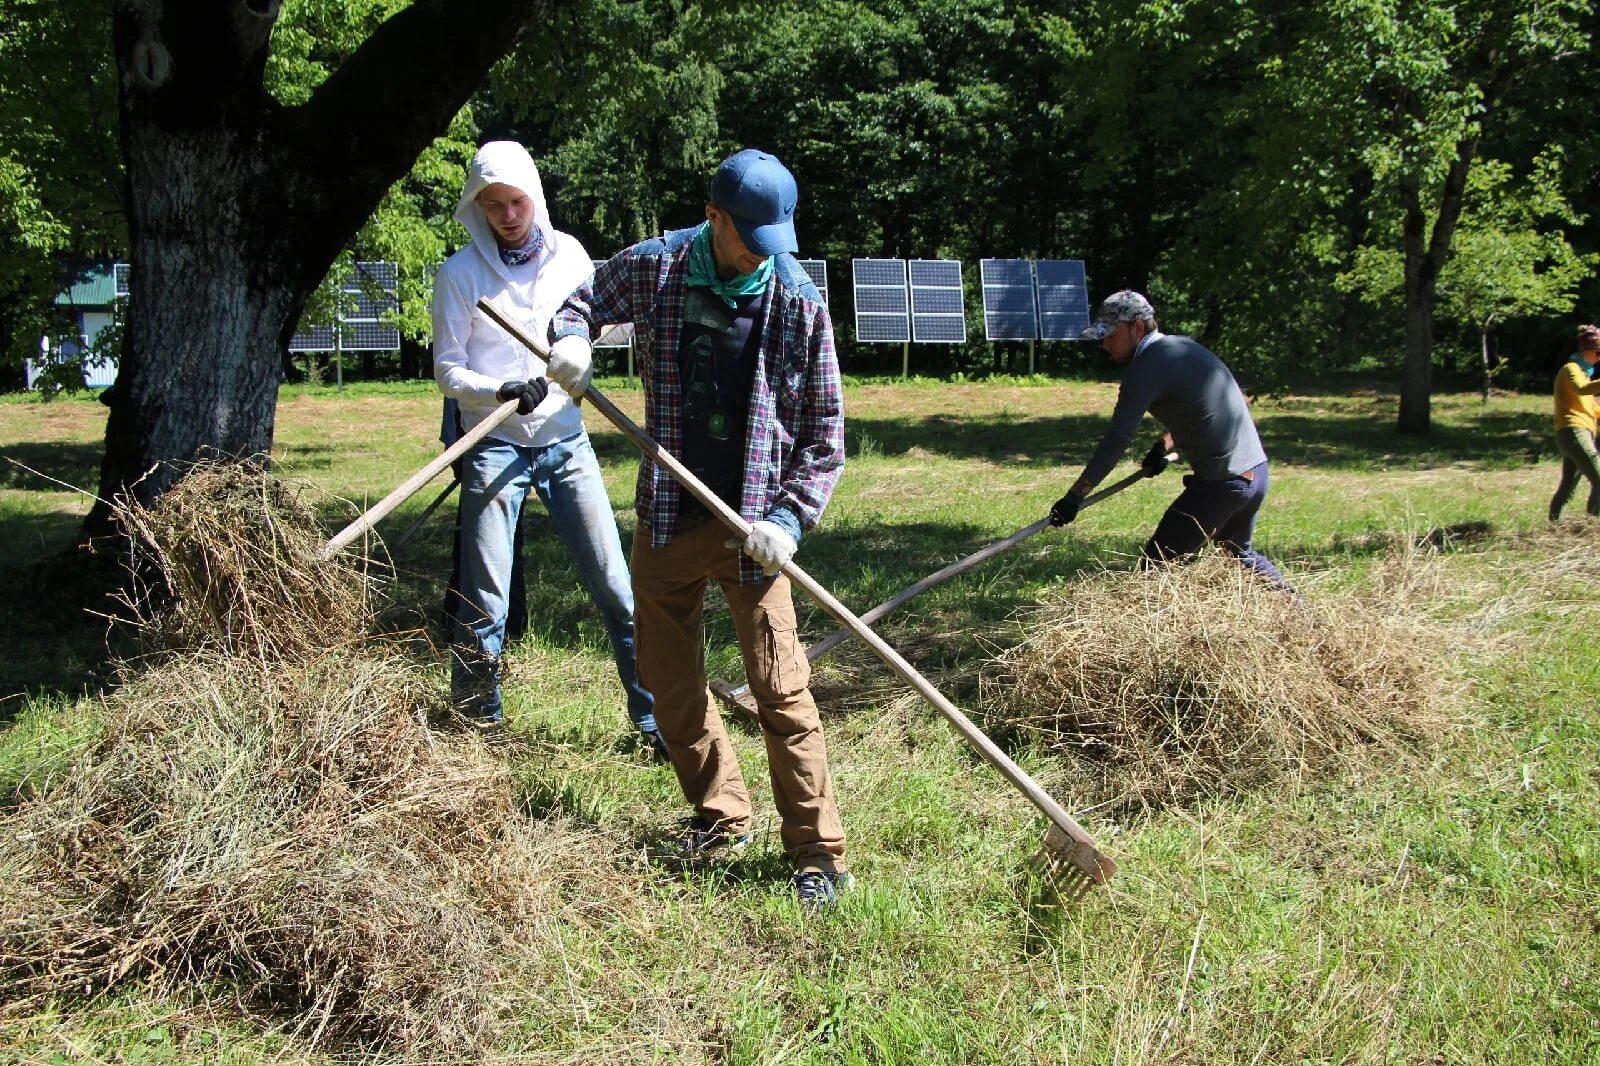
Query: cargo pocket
[{"x": 780, "y": 657}]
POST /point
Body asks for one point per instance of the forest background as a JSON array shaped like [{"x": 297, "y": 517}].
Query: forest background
[{"x": 1352, "y": 185}]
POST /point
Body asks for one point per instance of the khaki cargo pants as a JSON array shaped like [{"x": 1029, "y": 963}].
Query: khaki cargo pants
[{"x": 669, "y": 585}]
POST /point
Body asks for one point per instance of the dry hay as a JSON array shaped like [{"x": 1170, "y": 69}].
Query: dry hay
[
  {"x": 296, "y": 838},
  {"x": 271, "y": 819},
  {"x": 229, "y": 559},
  {"x": 1171, "y": 685}
]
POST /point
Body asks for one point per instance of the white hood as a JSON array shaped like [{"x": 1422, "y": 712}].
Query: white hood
[{"x": 504, "y": 163}]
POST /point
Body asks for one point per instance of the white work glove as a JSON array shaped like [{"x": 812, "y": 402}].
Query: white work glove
[
  {"x": 769, "y": 544},
  {"x": 571, "y": 364}
]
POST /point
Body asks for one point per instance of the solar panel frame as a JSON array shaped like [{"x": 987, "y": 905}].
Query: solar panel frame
[
  {"x": 1063, "y": 299},
  {"x": 817, "y": 271},
  {"x": 938, "y": 307},
  {"x": 1010, "y": 302},
  {"x": 880, "y": 285}
]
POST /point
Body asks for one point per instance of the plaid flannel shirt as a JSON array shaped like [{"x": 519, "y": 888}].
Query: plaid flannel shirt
[{"x": 794, "y": 443}]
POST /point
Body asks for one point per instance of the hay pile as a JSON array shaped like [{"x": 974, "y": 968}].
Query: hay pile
[
  {"x": 231, "y": 558},
  {"x": 1168, "y": 686},
  {"x": 270, "y": 819}
]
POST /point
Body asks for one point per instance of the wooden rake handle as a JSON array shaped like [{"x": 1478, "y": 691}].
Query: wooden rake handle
[
  {"x": 1084, "y": 852},
  {"x": 404, "y": 491},
  {"x": 955, "y": 569}
]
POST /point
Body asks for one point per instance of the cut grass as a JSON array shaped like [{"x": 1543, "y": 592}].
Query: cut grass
[{"x": 1445, "y": 912}]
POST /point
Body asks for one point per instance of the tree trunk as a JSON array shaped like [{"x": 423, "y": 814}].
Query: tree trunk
[
  {"x": 1422, "y": 266},
  {"x": 237, "y": 205},
  {"x": 1416, "y": 386},
  {"x": 1488, "y": 369}
]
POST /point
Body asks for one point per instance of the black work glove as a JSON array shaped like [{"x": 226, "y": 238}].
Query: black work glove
[
  {"x": 1155, "y": 460},
  {"x": 1066, "y": 509},
  {"x": 528, "y": 394}
]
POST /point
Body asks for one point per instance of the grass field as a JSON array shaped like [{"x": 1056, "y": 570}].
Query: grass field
[{"x": 1444, "y": 908}]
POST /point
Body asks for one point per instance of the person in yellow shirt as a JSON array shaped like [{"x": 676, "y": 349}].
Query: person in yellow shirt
[{"x": 1575, "y": 423}]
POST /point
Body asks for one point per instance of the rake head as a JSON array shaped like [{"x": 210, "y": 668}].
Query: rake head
[
  {"x": 1074, "y": 864},
  {"x": 735, "y": 699}
]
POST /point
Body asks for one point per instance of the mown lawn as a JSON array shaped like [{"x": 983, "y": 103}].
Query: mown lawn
[{"x": 1439, "y": 909}]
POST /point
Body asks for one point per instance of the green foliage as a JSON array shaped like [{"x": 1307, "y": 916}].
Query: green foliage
[{"x": 1240, "y": 160}]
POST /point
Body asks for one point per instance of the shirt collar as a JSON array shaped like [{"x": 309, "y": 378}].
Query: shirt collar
[{"x": 1148, "y": 339}]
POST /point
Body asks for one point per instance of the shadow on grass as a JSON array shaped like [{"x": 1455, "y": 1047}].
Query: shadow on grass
[
  {"x": 1292, "y": 431},
  {"x": 74, "y": 464},
  {"x": 54, "y": 644}
]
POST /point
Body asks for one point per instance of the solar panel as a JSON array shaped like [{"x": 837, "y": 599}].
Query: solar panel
[
  {"x": 1063, "y": 299},
  {"x": 119, "y": 271},
  {"x": 370, "y": 288},
  {"x": 880, "y": 291},
  {"x": 881, "y": 301},
  {"x": 315, "y": 339},
  {"x": 1010, "y": 310},
  {"x": 817, "y": 270},
  {"x": 368, "y": 337},
  {"x": 938, "y": 315}
]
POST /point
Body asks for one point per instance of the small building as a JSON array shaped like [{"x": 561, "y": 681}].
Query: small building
[{"x": 89, "y": 298}]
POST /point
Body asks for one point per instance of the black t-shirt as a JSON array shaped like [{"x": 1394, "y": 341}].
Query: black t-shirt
[{"x": 716, "y": 364}]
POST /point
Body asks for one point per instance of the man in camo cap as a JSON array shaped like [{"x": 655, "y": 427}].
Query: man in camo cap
[{"x": 1193, "y": 394}]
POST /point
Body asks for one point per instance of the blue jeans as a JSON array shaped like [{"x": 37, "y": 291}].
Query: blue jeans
[
  {"x": 1221, "y": 511},
  {"x": 495, "y": 479}
]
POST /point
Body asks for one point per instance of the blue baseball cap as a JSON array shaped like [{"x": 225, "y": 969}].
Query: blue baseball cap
[{"x": 759, "y": 194}]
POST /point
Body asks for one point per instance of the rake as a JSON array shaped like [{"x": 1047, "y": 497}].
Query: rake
[
  {"x": 740, "y": 699},
  {"x": 1069, "y": 847}
]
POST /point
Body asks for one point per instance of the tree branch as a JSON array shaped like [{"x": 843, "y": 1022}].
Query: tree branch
[{"x": 365, "y": 126}]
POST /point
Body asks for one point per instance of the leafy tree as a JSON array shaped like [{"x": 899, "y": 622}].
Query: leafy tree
[
  {"x": 239, "y": 200},
  {"x": 60, "y": 172},
  {"x": 1405, "y": 92}
]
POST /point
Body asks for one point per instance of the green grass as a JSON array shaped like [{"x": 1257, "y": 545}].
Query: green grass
[{"x": 1444, "y": 912}]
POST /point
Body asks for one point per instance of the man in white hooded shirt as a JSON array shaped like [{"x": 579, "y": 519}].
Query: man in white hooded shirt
[{"x": 527, "y": 267}]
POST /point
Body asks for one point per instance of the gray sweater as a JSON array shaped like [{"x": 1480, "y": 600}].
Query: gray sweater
[{"x": 1192, "y": 394}]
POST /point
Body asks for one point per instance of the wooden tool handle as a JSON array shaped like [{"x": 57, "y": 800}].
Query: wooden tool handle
[
  {"x": 340, "y": 540},
  {"x": 708, "y": 499}
]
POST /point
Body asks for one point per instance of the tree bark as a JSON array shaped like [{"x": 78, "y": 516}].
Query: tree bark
[
  {"x": 237, "y": 205},
  {"x": 1423, "y": 261}
]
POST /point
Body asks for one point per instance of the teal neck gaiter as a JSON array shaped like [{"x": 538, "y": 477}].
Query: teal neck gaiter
[{"x": 703, "y": 271}]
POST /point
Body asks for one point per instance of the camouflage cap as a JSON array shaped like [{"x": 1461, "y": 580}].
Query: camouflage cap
[
  {"x": 1123, "y": 306},
  {"x": 1588, "y": 338}
]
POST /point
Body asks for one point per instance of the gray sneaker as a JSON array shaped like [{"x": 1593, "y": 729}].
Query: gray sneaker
[{"x": 820, "y": 891}]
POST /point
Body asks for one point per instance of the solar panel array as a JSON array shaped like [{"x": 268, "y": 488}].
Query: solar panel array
[
  {"x": 1010, "y": 309},
  {"x": 1063, "y": 299},
  {"x": 882, "y": 309},
  {"x": 371, "y": 286},
  {"x": 938, "y": 315}
]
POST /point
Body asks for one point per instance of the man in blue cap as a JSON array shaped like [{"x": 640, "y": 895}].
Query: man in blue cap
[
  {"x": 1195, "y": 397},
  {"x": 742, "y": 384}
]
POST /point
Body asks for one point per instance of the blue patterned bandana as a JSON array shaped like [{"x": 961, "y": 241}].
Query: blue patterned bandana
[
  {"x": 530, "y": 248},
  {"x": 703, "y": 271}
]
